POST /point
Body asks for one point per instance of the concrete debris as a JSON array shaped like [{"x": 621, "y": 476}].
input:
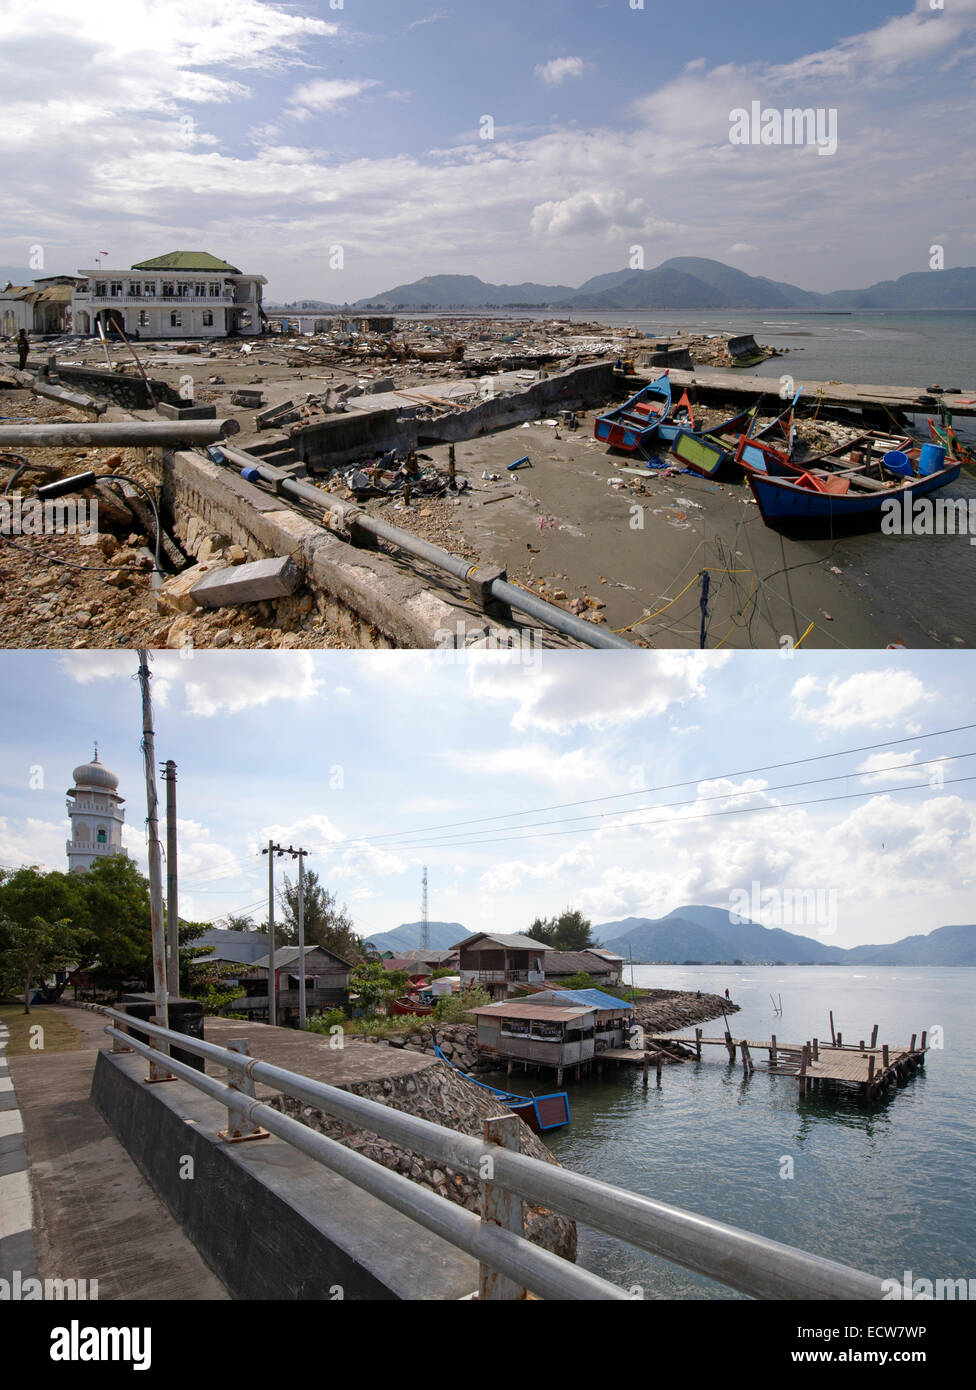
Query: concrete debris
[{"x": 262, "y": 579}]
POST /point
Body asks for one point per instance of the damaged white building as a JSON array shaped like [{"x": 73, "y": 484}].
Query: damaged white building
[{"x": 185, "y": 294}]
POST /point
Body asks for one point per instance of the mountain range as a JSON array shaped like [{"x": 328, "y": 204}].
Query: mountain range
[
  {"x": 683, "y": 282},
  {"x": 406, "y": 937},
  {"x": 707, "y": 935}
]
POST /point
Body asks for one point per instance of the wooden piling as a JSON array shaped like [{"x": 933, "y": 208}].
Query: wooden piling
[
  {"x": 884, "y": 1056},
  {"x": 772, "y": 1048},
  {"x": 698, "y": 1038},
  {"x": 833, "y": 1036},
  {"x": 644, "y": 1068},
  {"x": 874, "y": 1036}
]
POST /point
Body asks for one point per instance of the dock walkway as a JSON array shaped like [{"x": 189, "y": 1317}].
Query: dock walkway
[
  {"x": 874, "y": 1068},
  {"x": 733, "y": 384}
]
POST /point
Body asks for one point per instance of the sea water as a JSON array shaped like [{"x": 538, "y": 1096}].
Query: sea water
[{"x": 885, "y": 1188}]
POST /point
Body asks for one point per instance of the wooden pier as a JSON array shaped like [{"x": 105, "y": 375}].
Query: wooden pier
[
  {"x": 875, "y": 1069},
  {"x": 715, "y": 385}
]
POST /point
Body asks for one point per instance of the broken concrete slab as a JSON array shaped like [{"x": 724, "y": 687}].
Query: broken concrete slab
[
  {"x": 262, "y": 579},
  {"x": 174, "y": 595},
  {"x": 187, "y": 412}
]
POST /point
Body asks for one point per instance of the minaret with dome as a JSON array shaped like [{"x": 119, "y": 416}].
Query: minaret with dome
[{"x": 96, "y": 815}]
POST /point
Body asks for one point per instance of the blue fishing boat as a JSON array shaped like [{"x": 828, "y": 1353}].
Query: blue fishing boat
[
  {"x": 852, "y": 499},
  {"x": 539, "y": 1112},
  {"x": 634, "y": 424}
]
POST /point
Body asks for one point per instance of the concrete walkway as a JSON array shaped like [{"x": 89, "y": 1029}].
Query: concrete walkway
[{"x": 95, "y": 1216}]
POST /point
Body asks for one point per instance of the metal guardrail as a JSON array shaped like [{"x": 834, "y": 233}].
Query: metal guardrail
[
  {"x": 749, "y": 1263},
  {"x": 252, "y": 467}
]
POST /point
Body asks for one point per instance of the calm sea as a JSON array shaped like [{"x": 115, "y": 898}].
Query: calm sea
[
  {"x": 885, "y": 1189},
  {"x": 923, "y": 584}
]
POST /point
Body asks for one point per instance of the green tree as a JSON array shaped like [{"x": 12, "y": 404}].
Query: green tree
[
  {"x": 326, "y": 924},
  {"x": 32, "y": 950},
  {"x": 543, "y": 929},
  {"x": 116, "y": 896},
  {"x": 375, "y": 985},
  {"x": 235, "y": 922},
  {"x": 572, "y": 931}
]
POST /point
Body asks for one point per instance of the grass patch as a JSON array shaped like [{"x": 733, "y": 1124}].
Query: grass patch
[{"x": 58, "y": 1035}]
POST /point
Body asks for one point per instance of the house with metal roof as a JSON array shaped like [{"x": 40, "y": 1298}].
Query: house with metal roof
[
  {"x": 552, "y": 1034},
  {"x": 501, "y": 963},
  {"x": 326, "y": 982},
  {"x": 602, "y": 966},
  {"x": 612, "y": 1016}
]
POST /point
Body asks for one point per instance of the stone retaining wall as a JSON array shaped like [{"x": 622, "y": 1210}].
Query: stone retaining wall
[{"x": 445, "y": 1097}]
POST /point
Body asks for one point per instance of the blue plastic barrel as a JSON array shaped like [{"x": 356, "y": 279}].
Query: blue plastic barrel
[
  {"x": 898, "y": 463},
  {"x": 931, "y": 459}
]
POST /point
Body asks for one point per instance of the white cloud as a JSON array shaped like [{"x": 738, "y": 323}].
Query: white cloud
[
  {"x": 615, "y": 689},
  {"x": 212, "y": 682},
  {"x": 33, "y": 841},
  {"x": 325, "y": 94},
  {"x": 555, "y": 72},
  {"x": 866, "y": 699},
  {"x": 878, "y": 767}
]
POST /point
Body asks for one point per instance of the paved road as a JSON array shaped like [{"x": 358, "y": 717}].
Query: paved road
[{"x": 95, "y": 1216}]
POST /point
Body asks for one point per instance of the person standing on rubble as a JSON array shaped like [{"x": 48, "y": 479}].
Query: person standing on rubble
[{"x": 23, "y": 349}]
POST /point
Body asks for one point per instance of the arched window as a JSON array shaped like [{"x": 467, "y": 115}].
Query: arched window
[
  {"x": 100, "y": 835},
  {"x": 81, "y": 830}
]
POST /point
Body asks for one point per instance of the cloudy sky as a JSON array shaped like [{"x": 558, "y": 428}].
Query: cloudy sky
[
  {"x": 622, "y": 784},
  {"x": 269, "y": 133}
]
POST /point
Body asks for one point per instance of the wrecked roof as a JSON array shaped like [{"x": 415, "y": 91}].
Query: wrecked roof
[{"x": 187, "y": 260}]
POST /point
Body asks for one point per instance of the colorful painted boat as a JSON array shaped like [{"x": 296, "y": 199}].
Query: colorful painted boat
[
  {"x": 850, "y": 499},
  {"x": 539, "y": 1112},
  {"x": 406, "y": 1005},
  {"x": 755, "y": 454},
  {"x": 707, "y": 451},
  {"x": 944, "y": 435},
  {"x": 636, "y": 422},
  {"x": 682, "y": 417}
]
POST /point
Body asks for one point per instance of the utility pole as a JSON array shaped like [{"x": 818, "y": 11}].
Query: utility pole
[
  {"x": 172, "y": 893},
  {"x": 272, "y": 973},
  {"x": 155, "y": 862},
  {"x": 300, "y": 855}
]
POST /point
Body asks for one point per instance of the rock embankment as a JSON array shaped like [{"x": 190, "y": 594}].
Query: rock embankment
[
  {"x": 445, "y": 1097},
  {"x": 665, "y": 1010}
]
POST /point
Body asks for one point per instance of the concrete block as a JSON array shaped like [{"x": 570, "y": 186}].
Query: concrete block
[
  {"x": 175, "y": 595},
  {"x": 262, "y": 579},
  {"x": 187, "y": 412}
]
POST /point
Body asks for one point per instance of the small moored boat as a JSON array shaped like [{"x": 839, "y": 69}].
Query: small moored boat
[
  {"x": 634, "y": 424},
  {"x": 539, "y": 1112}
]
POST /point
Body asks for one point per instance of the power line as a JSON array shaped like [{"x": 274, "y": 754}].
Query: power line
[
  {"x": 648, "y": 791},
  {"x": 379, "y": 837},
  {"x": 447, "y": 841},
  {"x": 732, "y": 811}
]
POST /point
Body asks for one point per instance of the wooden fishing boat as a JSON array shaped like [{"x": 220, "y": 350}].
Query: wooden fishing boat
[
  {"x": 755, "y": 454},
  {"x": 633, "y": 425},
  {"x": 539, "y": 1112},
  {"x": 832, "y": 500},
  {"x": 944, "y": 435},
  {"x": 707, "y": 451},
  {"x": 682, "y": 417},
  {"x": 406, "y": 1005}
]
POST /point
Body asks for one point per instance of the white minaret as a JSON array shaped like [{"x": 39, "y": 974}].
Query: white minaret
[{"x": 96, "y": 815}]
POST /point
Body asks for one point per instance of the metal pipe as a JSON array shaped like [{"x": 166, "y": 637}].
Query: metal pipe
[
  {"x": 147, "y": 433},
  {"x": 530, "y": 1265},
  {"x": 752, "y": 1264},
  {"x": 501, "y": 589}
]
